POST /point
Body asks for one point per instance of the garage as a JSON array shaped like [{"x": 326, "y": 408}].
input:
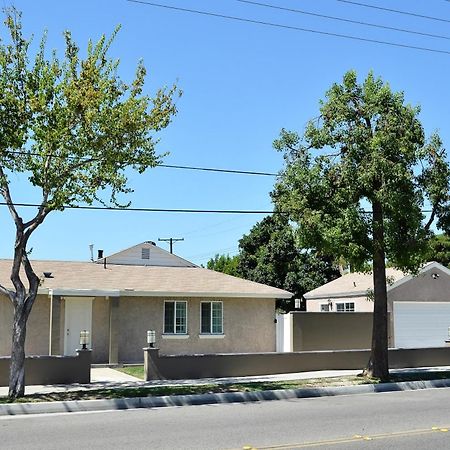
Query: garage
[{"x": 421, "y": 324}]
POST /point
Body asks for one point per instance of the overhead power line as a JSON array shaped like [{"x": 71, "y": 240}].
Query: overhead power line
[
  {"x": 397, "y": 11},
  {"x": 162, "y": 210},
  {"x": 168, "y": 210},
  {"x": 167, "y": 166},
  {"x": 289, "y": 27},
  {"x": 210, "y": 169},
  {"x": 342, "y": 19}
]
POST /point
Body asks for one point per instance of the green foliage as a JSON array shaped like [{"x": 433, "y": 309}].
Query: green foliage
[
  {"x": 269, "y": 254},
  {"x": 225, "y": 264},
  {"x": 74, "y": 128},
  {"x": 356, "y": 183},
  {"x": 439, "y": 249},
  {"x": 367, "y": 148},
  {"x": 73, "y": 125}
]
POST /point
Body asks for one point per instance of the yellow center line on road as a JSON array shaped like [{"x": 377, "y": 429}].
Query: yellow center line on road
[{"x": 350, "y": 439}]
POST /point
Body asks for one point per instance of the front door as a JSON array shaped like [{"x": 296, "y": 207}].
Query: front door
[{"x": 78, "y": 317}]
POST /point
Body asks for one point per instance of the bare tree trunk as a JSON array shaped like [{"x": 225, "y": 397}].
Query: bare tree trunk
[
  {"x": 23, "y": 302},
  {"x": 378, "y": 365},
  {"x": 17, "y": 367}
]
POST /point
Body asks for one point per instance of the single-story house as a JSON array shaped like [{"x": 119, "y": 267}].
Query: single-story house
[
  {"x": 418, "y": 306},
  {"x": 118, "y": 298}
]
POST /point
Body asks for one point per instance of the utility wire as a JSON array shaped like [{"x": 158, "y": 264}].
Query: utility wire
[
  {"x": 210, "y": 169},
  {"x": 167, "y": 166},
  {"x": 341, "y": 19},
  {"x": 163, "y": 210},
  {"x": 406, "y": 13},
  {"x": 288, "y": 27},
  {"x": 168, "y": 210}
]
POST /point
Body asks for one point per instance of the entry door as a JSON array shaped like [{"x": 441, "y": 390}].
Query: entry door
[{"x": 78, "y": 317}]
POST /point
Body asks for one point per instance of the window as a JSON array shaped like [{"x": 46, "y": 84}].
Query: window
[
  {"x": 175, "y": 317},
  {"x": 211, "y": 318},
  {"x": 325, "y": 307},
  {"x": 345, "y": 307}
]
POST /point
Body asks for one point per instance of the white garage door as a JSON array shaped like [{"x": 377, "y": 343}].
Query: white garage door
[{"x": 421, "y": 324}]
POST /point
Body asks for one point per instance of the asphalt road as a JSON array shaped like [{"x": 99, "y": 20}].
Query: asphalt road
[{"x": 400, "y": 420}]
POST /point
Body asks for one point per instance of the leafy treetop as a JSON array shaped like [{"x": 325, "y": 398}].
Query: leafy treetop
[{"x": 370, "y": 154}]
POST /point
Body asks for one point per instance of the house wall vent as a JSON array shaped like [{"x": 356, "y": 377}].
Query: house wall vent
[{"x": 145, "y": 253}]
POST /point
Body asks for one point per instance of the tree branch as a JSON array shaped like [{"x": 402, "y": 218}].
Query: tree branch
[
  {"x": 31, "y": 225},
  {"x": 432, "y": 217},
  {"x": 5, "y": 291},
  {"x": 4, "y": 190},
  {"x": 33, "y": 280}
]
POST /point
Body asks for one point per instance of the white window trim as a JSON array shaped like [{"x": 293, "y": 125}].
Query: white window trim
[
  {"x": 175, "y": 336},
  {"x": 325, "y": 310},
  {"x": 210, "y": 335},
  {"x": 174, "y": 323},
  {"x": 345, "y": 308}
]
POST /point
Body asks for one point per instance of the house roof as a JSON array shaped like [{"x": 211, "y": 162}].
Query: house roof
[
  {"x": 154, "y": 256},
  {"x": 430, "y": 266},
  {"x": 90, "y": 279},
  {"x": 355, "y": 284}
]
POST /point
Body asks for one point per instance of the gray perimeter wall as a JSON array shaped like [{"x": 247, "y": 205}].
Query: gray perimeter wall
[
  {"x": 233, "y": 365},
  {"x": 331, "y": 330},
  {"x": 52, "y": 369}
]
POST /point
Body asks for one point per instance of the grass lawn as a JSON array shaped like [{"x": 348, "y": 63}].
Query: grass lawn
[
  {"x": 134, "y": 371},
  {"x": 150, "y": 391}
]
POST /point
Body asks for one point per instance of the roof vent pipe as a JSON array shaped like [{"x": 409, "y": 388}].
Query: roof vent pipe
[{"x": 99, "y": 254}]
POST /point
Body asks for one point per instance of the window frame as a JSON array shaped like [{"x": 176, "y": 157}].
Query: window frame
[
  {"x": 211, "y": 333},
  {"x": 346, "y": 307},
  {"x": 325, "y": 307},
  {"x": 175, "y": 332}
]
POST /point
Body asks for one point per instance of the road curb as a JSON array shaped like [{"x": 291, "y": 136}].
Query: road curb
[{"x": 13, "y": 409}]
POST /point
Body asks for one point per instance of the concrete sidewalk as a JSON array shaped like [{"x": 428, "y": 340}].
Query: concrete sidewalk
[
  {"x": 119, "y": 381},
  {"x": 107, "y": 378}
]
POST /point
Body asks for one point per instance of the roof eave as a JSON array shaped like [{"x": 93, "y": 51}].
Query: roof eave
[
  {"x": 134, "y": 293},
  {"x": 336, "y": 295}
]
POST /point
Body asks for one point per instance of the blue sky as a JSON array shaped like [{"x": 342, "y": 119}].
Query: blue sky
[{"x": 242, "y": 83}]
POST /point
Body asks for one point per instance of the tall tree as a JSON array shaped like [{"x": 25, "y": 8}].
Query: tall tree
[
  {"x": 439, "y": 249},
  {"x": 225, "y": 264},
  {"x": 269, "y": 254},
  {"x": 356, "y": 183},
  {"x": 73, "y": 127}
]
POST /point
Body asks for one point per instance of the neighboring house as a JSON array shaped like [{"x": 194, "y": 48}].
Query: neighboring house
[
  {"x": 119, "y": 297},
  {"x": 418, "y": 306},
  {"x": 349, "y": 293}
]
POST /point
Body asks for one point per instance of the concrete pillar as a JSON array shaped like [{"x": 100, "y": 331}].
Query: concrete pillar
[
  {"x": 151, "y": 370},
  {"x": 55, "y": 338},
  {"x": 83, "y": 373},
  {"x": 114, "y": 330}
]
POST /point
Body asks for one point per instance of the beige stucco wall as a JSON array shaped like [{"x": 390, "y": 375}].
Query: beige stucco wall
[
  {"x": 37, "y": 341},
  {"x": 248, "y": 327},
  {"x": 100, "y": 330},
  {"x": 362, "y": 304}
]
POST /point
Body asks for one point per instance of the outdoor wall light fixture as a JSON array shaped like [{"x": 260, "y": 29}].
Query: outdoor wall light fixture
[
  {"x": 435, "y": 276},
  {"x": 84, "y": 339},
  {"x": 151, "y": 338}
]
